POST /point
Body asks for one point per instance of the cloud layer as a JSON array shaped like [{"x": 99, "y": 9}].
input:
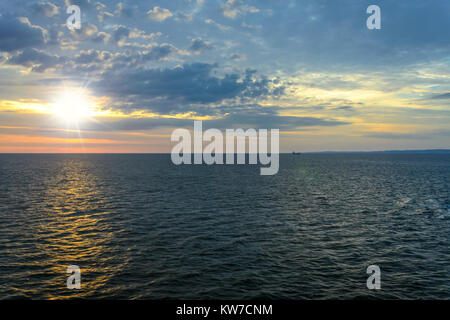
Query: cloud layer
[{"x": 296, "y": 65}]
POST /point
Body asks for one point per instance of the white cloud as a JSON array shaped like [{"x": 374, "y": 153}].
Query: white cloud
[
  {"x": 45, "y": 8},
  {"x": 159, "y": 14},
  {"x": 232, "y": 8},
  {"x": 218, "y": 25}
]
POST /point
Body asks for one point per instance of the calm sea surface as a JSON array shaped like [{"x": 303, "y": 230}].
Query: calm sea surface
[{"x": 140, "y": 227}]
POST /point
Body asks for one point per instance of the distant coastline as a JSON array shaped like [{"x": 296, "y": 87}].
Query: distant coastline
[{"x": 426, "y": 151}]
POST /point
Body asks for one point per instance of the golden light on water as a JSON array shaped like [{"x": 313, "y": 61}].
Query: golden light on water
[{"x": 75, "y": 229}]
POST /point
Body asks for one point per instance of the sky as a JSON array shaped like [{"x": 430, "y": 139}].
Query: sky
[{"x": 137, "y": 70}]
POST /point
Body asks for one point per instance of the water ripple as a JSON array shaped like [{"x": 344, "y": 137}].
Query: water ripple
[{"x": 142, "y": 228}]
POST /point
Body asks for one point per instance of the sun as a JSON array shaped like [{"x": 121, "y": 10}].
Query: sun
[{"x": 73, "y": 106}]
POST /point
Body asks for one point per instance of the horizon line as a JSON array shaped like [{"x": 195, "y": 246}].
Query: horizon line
[{"x": 305, "y": 152}]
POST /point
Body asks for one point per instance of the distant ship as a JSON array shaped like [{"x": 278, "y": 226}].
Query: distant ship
[{"x": 296, "y": 153}]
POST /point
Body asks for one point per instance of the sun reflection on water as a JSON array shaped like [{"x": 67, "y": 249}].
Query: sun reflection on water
[{"x": 75, "y": 231}]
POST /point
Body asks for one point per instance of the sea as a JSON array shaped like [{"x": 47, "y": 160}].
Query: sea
[{"x": 140, "y": 227}]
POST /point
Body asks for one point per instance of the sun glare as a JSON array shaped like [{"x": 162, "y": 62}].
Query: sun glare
[{"x": 73, "y": 106}]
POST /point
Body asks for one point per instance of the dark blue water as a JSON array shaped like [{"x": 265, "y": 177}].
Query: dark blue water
[{"x": 140, "y": 227}]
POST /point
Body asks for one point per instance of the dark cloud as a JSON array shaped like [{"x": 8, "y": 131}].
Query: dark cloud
[
  {"x": 407, "y": 136},
  {"x": 55, "y": 36},
  {"x": 37, "y": 60},
  {"x": 163, "y": 90},
  {"x": 198, "y": 45},
  {"x": 262, "y": 118},
  {"x": 238, "y": 57},
  {"x": 121, "y": 33},
  {"x": 158, "y": 52},
  {"x": 93, "y": 56},
  {"x": 18, "y": 33},
  {"x": 258, "y": 119},
  {"x": 442, "y": 96},
  {"x": 134, "y": 60},
  {"x": 345, "y": 109}
]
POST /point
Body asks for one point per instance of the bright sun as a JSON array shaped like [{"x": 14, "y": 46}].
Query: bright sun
[{"x": 72, "y": 106}]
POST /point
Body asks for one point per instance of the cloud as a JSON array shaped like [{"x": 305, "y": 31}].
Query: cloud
[
  {"x": 83, "y": 4},
  {"x": 19, "y": 33},
  {"x": 324, "y": 34},
  {"x": 101, "y": 37},
  {"x": 232, "y": 8},
  {"x": 409, "y": 136},
  {"x": 159, "y": 14},
  {"x": 93, "y": 56},
  {"x": 258, "y": 118},
  {"x": 118, "y": 62},
  {"x": 332, "y": 66},
  {"x": 90, "y": 32},
  {"x": 198, "y": 46},
  {"x": 159, "y": 52},
  {"x": 251, "y": 26},
  {"x": 175, "y": 89},
  {"x": 442, "y": 96},
  {"x": 181, "y": 16},
  {"x": 218, "y": 25},
  {"x": 124, "y": 10},
  {"x": 38, "y": 61},
  {"x": 45, "y": 8},
  {"x": 121, "y": 33},
  {"x": 101, "y": 12},
  {"x": 238, "y": 57},
  {"x": 345, "y": 108}
]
